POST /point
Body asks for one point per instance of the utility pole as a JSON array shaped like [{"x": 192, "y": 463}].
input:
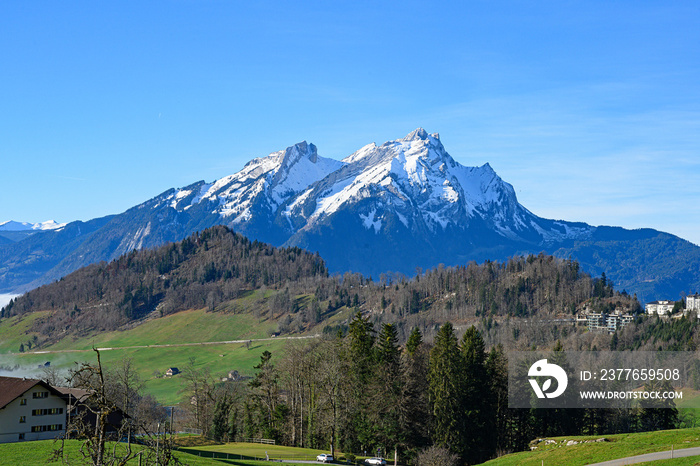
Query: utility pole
[
  {"x": 157, "y": 444},
  {"x": 172, "y": 428}
]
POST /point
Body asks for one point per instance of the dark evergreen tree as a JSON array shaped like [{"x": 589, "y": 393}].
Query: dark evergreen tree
[
  {"x": 265, "y": 399},
  {"x": 446, "y": 388},
  {"x": 360, "y": 430},
  {"x": 477, "y": 400},
  {"x": 220, "y": 420},
  {"x": 416, "y": 415},
  {"x": 415, "y": 339},
  {"x": 389, "y": 388},
  {"x": 499, "y": 420}
]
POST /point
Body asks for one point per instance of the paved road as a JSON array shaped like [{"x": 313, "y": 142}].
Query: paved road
[
  {"x": 228, "y": 342},
  {"x": 659, "y": 455}
]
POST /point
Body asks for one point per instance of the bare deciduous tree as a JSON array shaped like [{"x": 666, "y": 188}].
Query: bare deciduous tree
[
  {"x": 99, "y": 422},
  {"x": 437, "y": 456}
]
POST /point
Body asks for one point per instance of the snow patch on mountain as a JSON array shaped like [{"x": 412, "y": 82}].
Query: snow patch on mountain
[
  {"x": 370, "y": 221},
  {"x": 178, "y": 196},
  {"x": 12, "y": 225},
  {"x": 202, "y": 194}
]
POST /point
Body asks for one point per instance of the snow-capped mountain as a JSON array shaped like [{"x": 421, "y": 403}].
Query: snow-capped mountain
[
  {"x": 11, "y": 225},
  {"x": 413, "y": 179},
  {"x": 251, "y": 199},
  {"x": 394, "y": 207},
  {"x": 416, "y": 180},
  {"x": 267, "y": 182}
]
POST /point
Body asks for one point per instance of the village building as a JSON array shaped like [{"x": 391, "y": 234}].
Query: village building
[
  {"x": 603, "y": 322},
  {"x": 661, "y": 308},
  {"x": 30, "y": 409},
  {"x": 692, "y": 303},
  {"x": 78, "y": 411}
]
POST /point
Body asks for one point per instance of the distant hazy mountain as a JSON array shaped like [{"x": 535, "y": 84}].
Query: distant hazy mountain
[
  {"x": 388, "y": 208},
  {"x": 11, "y": 225},
  {"x": 12, "y": 231}
]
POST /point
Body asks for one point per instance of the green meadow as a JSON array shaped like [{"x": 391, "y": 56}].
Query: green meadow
[
  {"x": 41, "y": 452},
  {"x": 241, "y": 454},
  {"x": 615, "y": 446},
  {"x": 233, "y": 337}
]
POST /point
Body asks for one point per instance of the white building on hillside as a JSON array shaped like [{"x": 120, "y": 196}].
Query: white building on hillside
[
  {"x": 661, "y": 308},
  {"x": 692, "y": 303}
]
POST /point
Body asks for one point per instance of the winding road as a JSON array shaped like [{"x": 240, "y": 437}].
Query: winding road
[{"x": 659, "y": 455}]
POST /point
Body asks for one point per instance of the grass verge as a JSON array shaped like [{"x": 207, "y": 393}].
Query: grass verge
[{"x": 614, "y": 447}]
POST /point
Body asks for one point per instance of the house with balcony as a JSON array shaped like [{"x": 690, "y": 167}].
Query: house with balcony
[{"x": 603, "y": 322}]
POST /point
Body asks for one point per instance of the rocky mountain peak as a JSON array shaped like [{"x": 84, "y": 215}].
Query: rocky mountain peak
[
  {"x": 418, "y": 133},
  {"x": 300, "y": 150}
]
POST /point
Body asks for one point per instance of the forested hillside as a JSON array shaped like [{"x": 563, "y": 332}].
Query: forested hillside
[
  {"x": 202, "y": 270},
  {"x": 364, "y": 392},
  {"x": 214, "y": 266}
]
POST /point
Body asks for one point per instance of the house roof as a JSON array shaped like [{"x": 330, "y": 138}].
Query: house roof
[
  {"x": 12, "y": 388},
  {"x": 74, "y": 395}
]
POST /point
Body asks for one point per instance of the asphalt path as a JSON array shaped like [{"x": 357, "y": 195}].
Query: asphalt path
[
  {"x": 173, "y": 345},
  {"x": 659, "y": 455}
]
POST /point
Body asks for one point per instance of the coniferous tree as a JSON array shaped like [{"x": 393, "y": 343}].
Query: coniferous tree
[
  {"x": 389, "y": 388},
  {"x": 446, "y": 390},
  {"x": 265, "y": 398},
  {"x": 477, "y": 400},
  {"x": 414, "y": 341},
  {"x": 499, "y": 421},
  {"x": 560, "y": 421},
  {"x": 220, "y": 420},
  {"x": 361, "y": 428},
  {"x": 416, "y": 418}
]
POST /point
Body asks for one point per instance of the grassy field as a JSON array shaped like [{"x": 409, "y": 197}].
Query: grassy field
[
  {"x": 252, "y": 451},
  {"x": 691, "y": 399},
  {"x": 616, "y": 446},
  {"x": 243, "y": 319},
  {"x": 15, "y": 331},
  {"x": 218, "y": 359},
  {"x": 40, "y": 452},
  {"x": 183, "y": 327},
  {"x": 242, "y": 454}
]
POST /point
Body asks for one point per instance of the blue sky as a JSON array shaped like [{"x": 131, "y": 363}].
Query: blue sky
[{"x": 591, "y": 110}]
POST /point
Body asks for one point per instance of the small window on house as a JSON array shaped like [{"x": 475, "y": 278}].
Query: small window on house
[
  {"x": 40, "y": 394},
  {"x": 23, "y": 402},
  {"x": 22, "y": 419},
  {"x": 21, "y": 436}
]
